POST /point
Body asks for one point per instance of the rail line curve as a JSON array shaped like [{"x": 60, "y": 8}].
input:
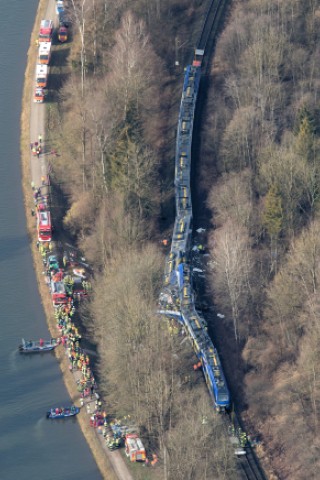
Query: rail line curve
[{"x": 177, "y": 296}]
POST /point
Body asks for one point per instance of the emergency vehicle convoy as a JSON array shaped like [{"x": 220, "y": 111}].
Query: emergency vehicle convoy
[
  {"x": 177, "y": 297},
  {"x": 44, "y": 43}
]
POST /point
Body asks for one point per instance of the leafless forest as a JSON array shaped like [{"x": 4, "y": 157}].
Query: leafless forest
[{"x": 262, "y": 158}]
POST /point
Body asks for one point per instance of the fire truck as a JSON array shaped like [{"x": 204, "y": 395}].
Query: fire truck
[
  {"x": 44, "y": 226},
  {"x": 134, "y": 448},
  {"x": 44, "y": 53},
  {"x": 58, "y": 293},
  {"x": 46, "y": 30},
  {"x": 38, "y": 96},
  {"x": 42, "y": 75}
]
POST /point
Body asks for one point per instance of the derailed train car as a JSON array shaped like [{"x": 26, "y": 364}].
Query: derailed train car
[{"x": 178, "y": 269}]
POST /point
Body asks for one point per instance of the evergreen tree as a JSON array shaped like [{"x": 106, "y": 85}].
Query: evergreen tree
[{"x": 273, "y": 214}]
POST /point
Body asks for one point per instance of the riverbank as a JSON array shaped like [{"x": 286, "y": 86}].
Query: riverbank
[{"x": 95, "y": 446}]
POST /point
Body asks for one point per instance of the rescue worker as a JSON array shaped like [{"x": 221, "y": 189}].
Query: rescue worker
[{"x": 65, "y": 260}]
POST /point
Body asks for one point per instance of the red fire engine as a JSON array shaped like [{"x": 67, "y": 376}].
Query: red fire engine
[
  {"x": 58, "y": 293},
  {"x": 44, "y": 226},
  {"x": 46, "y": 30},
  {"x": 134, "y": 448}
]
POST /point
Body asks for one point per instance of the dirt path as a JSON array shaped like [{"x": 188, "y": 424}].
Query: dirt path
[{"x": 38, "y": 169}]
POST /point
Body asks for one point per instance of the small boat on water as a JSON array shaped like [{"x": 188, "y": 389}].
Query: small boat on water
[
  {"x": 41, "y": 345},
  {"x": 63, "y": 412}
]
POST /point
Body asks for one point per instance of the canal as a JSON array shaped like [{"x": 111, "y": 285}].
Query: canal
[{"x": 31, "y": 447}]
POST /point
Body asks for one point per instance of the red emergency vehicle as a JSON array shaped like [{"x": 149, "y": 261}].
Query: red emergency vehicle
[
  {"x": 46, "y": 30},
  {"x": 38, "y": 96},
  {"x": 44, "y": 226},
  {"x": 58, "y": 293},
  {"x": 134, "y": 448}
]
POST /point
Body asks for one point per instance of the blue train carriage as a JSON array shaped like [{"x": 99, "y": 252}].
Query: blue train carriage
[
  {"x": 186, "y": 297},
  {"x": 173, "y": 260},
  {"x": 198, "y": 320},
  {"x": 181, "y": 239},
  {"x": 183, "y": 200},
  {"x": 200, "y": 339},
  {"x": 191, "y": 80},
  {"x": 182, "y": 164},
  {"x": 193, "y": 332},
  {"x": 215, "y": 379},
  {"x": 195, "y": 327}
]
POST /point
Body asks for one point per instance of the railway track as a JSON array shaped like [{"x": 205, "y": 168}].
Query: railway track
[
  {"x": 249, "y": 468},
  {"x": 210, "y": 22}
]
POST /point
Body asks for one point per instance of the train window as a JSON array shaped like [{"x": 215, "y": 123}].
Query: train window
[
  {"x": 223, "y": 397},
  {"x": 185, "y": 127},
  {"x": 181, "y": 226},
  {"x": 186, "y": 292}
]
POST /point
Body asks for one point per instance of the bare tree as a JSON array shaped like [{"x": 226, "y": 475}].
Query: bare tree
[{"x": 232, "y": 271}]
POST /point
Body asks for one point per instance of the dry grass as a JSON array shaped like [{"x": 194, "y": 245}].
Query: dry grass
[{"x": 99, "y": 454}]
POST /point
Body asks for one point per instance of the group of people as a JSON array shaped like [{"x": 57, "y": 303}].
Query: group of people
[
  {"x": 36, "y": 147},
  {"x": 69, "y": 336},
  {"x": 243, "y": 438}
]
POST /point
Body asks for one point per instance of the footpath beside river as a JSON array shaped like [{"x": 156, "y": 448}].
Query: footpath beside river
[{"x": 33, "y": 117}]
